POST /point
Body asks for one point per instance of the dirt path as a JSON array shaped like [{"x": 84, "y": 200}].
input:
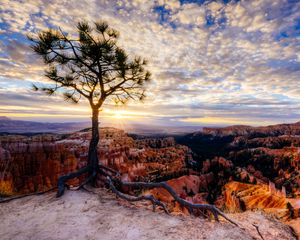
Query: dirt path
[{"x": 82, "y": 215}]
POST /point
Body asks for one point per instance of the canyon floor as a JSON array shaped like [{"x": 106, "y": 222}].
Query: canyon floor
[{"x": 84, "y": 215}]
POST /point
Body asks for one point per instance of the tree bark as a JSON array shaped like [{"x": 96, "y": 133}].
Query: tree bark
[{"x": 93, "y": 152}]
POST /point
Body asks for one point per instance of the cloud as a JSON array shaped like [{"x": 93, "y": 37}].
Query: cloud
[
  {"x": 190, "y": 14},
  {"x": 238, "y": 60}
]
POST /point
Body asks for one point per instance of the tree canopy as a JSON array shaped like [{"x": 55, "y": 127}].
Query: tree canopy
[{"x": 90, "y": 65}]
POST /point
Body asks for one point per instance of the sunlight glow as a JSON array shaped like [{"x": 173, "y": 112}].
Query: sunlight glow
[
  {"x": 120, "y": 116},
  {"x": 123, "y": 114}
]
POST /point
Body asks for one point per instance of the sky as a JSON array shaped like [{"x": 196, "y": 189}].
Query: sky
[{"x": 213, "y": 62}]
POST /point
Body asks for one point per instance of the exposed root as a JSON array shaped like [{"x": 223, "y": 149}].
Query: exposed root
[
  {"x": 129, "y": 198},
  {"x": 294, "y": 233},
  {"x": 61, "y": 183},
  {"x": 112, "y": 177},
  {"x": 257, "y": 229},
  {"x": 86, "y": 181},
  {"x": 4, "y": 200},
  {"x": 215, "y": 211}
]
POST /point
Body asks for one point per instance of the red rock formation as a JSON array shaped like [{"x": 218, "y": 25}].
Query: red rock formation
[
  {"x": 240, "y": 197},
  {"x": 242, "y": 130},
  {"x": 29, "y": 164},
  {"x": 219, "y": 162},
  {"x": 282, "y": 166},
  {"x": 183, "y": 186}
]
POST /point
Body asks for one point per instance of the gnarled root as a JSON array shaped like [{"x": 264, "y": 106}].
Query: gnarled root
[
  {"x": 112, "y": 178},
  {"x": 129, "y": 198},
  {"x": 257, "y": 229},
  {"x": 86, "y": 181},
  {"x": 4, "y": 200},
  {"x": 215, "y": 211},
  {"x": 61, "y": 183}
]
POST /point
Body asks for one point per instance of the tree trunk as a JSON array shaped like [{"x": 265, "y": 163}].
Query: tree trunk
[
  {"x": 92, "y": 166},
  {"x": 93, "y": 153}
]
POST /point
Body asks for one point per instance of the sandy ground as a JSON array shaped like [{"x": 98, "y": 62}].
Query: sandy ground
[{"x": 82, "y": 215}]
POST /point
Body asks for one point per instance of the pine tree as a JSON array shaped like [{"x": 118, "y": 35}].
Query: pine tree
[{"x": 89, "y": 66}]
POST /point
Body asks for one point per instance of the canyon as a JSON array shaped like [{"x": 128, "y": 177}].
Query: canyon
[
  {"x": 33, "y": 164},
  {"x": 237, "y": 168}
]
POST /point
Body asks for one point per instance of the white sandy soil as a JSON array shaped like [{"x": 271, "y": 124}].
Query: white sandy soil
[{"x": 83, "y": 215}]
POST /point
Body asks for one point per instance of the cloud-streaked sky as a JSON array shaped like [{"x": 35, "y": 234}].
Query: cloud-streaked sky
[{"x": 213, "y": 62}]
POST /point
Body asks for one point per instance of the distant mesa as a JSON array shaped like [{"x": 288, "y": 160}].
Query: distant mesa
[
  {"x": 3, "y": 118},
  {"x": 12, "y": 126},
  {"x": 244, "y": 130},
  {"x": 8, "y": 125}
]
